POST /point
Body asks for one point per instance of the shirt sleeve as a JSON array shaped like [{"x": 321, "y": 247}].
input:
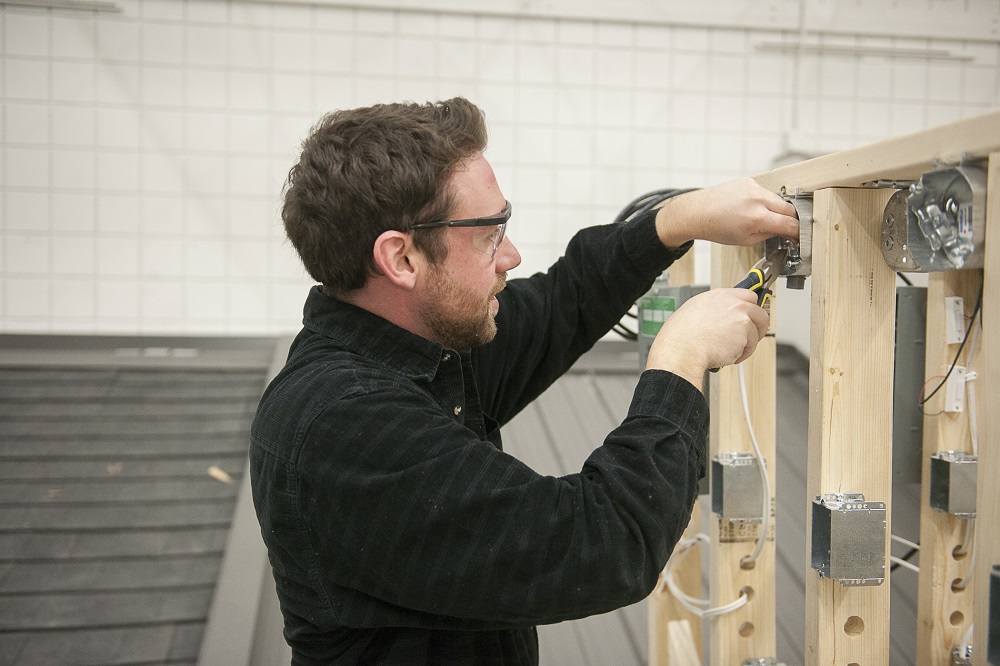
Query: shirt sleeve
[
  {"x": 454, "y": 533},
  {"x": 546, "y": 322}
]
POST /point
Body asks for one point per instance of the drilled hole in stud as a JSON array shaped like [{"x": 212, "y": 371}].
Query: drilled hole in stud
[
  {"x": 747, "y": 590},
  {"x": 854, "y": 663},
  {"x": 746, "y": 629},
  {"x": 957, "y": 618},
  {"x": 959, "y": 554},
  {"x": 747, "y": 564},
  {"x": 854, "y": 626},
  {"x": 957, "y": 586}
]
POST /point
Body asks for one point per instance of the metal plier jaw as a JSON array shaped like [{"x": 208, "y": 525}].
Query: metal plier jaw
[{"x": 762, "y": 275}]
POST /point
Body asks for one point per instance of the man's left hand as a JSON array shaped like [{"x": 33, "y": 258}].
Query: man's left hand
[{"x": 739, "y": 212}]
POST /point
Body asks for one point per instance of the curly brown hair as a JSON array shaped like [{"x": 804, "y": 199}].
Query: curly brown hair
[{"x": 365, "y": 171}]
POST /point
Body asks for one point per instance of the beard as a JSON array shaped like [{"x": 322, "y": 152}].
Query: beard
[{"x": 458, "y": 317}]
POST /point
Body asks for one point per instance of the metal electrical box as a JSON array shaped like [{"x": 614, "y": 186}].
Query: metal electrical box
[
  {"x": 953, "y": 483},
  {"x": 737, "y": 487},
  {"x": 939, "y": 224},
  {"x": 798, "y": 260},
  {"x": 848, "y": 539}
]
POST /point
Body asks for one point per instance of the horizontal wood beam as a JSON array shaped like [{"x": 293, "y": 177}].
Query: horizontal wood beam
[{"x": 899, "y": 158}]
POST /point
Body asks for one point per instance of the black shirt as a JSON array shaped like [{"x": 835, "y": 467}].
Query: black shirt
[{"x": 398, "y": 530}]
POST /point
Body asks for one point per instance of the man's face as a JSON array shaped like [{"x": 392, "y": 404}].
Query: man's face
[{"x": 458, "y": 303}]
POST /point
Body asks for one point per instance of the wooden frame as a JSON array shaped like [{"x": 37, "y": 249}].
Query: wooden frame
[
  {"x": 664, "y": 613},
  {"x": 748, "y": 632},
  {"x": 851, "y": 361}
]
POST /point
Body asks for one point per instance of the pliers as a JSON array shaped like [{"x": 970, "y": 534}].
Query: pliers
[{"x": 763, "y": 274}]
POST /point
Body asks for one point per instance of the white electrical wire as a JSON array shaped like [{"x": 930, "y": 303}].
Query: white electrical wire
[
  {"x": 967, "y": 639},
  {"x": 700, "y": 607},
  {"x": 903, "y": 563},
  {"x": 696, "y": 606},
  {"x": 765, "y": 510},
  {"x": 970, "y": 389},
  {"x": 905, "y": 542}
]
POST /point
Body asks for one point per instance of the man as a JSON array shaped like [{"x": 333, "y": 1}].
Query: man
[{"x": 397, "y": 529}]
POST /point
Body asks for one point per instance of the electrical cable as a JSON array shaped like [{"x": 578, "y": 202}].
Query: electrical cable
[
  {"x": 905, "y": 559},
  {"x": 625, "y": 332},
  {"x": 764, "y": 479},
  {"x": 903, "y": 563},
  {"x": 905, "y": 542},
  {"x": 696, "y": 606},
  {"x": 905, "y": 279},
  {"x": 910, "y": 553},
  {"x": 975, "y": 312},
  {"x": 637, "y": 206},
  {"x": 967, "y": 639}
]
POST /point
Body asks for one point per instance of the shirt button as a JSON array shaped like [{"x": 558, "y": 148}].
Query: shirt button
[
  {"x": 446, "y": 357},
  {"x": 458, "y": 410}
]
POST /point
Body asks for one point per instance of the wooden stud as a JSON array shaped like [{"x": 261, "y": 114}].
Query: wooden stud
[
  {"x": 748, "y": 632},
  {"x": 943, "y": 613},
  {"x": 662, "y": 608},
  {"x": 987, "y": 545},
  {"x": 850, "y": 410},
  {"x": 682, "y": 650}
]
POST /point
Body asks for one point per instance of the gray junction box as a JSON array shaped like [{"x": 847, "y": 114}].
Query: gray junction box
[{"x": 848, "y": 539}]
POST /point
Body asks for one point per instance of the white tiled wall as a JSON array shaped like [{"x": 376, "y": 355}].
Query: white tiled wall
[{"x": 143, "y": 152}]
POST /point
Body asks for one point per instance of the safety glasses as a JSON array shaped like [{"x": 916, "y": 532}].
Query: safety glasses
[{"x": 487, "y": 244}]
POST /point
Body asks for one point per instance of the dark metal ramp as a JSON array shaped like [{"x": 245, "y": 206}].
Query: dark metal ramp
[{"x": 117, "y": 489}]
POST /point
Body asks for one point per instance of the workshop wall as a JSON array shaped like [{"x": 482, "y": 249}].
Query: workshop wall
[{"x": 143, "y": 152}]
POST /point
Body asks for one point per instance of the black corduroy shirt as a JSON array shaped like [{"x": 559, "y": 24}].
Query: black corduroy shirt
[{"x": 398, "y": 530}]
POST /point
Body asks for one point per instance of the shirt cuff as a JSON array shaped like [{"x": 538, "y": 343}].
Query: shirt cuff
[{"x": 644, "y": 246}]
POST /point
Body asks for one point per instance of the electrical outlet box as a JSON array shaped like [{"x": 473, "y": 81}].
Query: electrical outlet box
[
  {"x": 848, "y": 539},
  {"x": 737, "y": 487},
  {"x": 953, "y": 482}
]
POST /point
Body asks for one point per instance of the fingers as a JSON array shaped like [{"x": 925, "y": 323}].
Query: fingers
[{"x": 714, "y": 329}]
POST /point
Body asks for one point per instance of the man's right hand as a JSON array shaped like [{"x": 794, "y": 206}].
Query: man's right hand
[{"x": 714, "y": 329}]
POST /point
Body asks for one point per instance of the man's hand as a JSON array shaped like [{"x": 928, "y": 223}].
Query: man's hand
[
  {"x": 716, "y": 328},
  {"x": 740, "y": 212}
]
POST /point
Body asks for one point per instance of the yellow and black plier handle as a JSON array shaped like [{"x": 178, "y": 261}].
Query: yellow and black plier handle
[{"x": 762, "y": 275}]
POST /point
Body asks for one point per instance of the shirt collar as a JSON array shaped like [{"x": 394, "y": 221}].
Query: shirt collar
[{"x": 373, "y": 337}]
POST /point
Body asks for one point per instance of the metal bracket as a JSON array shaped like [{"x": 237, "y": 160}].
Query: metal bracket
[
  {"x": 798, "y": 264},
  {"x": 848, "y": 539},
  {"x": 953, "y": 483},
  {"x": 736, "y": 487}
]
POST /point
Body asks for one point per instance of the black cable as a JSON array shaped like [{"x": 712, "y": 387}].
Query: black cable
[
  {"x": 647, "y": 202},
  {"x": 904, "y": 279},
  {"x": 975, "y": 311},
  {"x": 625, "y": 332},
  {"x": 637, "y": 206}
]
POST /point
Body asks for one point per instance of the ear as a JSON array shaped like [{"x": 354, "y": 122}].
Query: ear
[{"x": 396, "y": 258}]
